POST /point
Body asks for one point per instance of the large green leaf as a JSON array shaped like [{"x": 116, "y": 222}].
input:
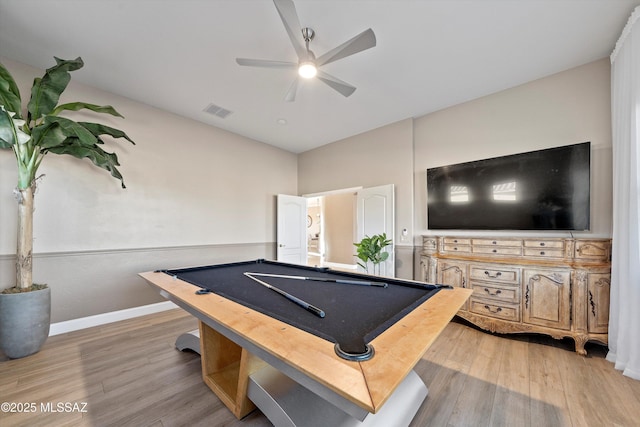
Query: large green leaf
[
  {"x": 7, "y": 136},
  {"x": 47, "y": 132},
  {"x": 9, "y": 93},
  {"x": 75, "y": 106},
  {"x": 48, "y": 135},
  {"x": 72, "y": 129},
  {"x": 99, "y": 157},
  {"x": 46, "y": 91},
  {"x": 98, "y": 129}
]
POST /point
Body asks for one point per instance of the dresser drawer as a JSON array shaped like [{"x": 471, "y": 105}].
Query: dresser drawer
[
  {"x": 510, "y": 294},
  {"x": 456, "y": 241},
  {"x": 495, "y": 273},
  {"x": 544, "y": 252},
  {"x": 457, "y": 248},
  {"x": 497, "y": 310},
  {"x": 497, "y": 242},
  {"x": 544, "y": 243},
  {"x": 497, "y": 250}
]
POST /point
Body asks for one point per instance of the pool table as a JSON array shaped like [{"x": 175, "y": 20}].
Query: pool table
[{"x": 308, "y": 345}]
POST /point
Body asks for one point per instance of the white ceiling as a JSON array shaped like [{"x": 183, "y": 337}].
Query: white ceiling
[{"x": 179, "y": 55}]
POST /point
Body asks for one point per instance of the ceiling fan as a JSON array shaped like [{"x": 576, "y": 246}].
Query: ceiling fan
[{"x": 308, "y": 65}]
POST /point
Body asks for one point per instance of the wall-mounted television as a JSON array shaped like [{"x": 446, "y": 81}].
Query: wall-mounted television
[{"x": 538, "y": 190}]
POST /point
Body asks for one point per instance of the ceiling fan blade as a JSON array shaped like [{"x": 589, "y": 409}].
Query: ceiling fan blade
[
  {"x": 363, "y": 41},
  {"x": 289, "y": 16},
  {"x": 343, "y": 87},
  {"x": 265, "y": 63},
  {"x": 291, "y": 93}
]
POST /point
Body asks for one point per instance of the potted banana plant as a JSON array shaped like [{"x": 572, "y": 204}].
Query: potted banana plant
[
  {"x": 370, "y": 250},
  {"x": 31, "y": 134}
]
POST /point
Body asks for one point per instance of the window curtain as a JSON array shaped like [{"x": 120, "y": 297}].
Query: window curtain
[{"x": 624, "y": 317}]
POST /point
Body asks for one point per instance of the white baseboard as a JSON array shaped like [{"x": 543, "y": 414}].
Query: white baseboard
[{"x": 104, "y": 318}]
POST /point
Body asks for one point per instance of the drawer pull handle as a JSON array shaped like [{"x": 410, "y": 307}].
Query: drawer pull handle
[
  {"x": 455, "y": 249},
  {"x": 494, "y": 243},
  {"x": 497, "y": 292},
  {"x": 593, "y": 304},
  {"x": 495, "y": 276},
  {"x": 541, "y": 252},
  {"x": 494, "y": 251},
  {"x": 497, "y": 310},
  {"x": 541, "y": 243},
  {"x": 455, "y": 241}
]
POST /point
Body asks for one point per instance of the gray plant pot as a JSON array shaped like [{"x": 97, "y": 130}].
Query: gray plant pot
[{"x": 24, "y": 322}]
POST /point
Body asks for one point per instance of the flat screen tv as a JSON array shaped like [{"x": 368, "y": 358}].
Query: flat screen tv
[{"x": 539, "y": 190}]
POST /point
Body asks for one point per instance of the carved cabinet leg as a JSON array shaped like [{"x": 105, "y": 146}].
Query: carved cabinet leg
[{"x": 581, "y": 340}]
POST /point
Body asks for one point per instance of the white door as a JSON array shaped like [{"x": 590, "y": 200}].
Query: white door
[
  {"x": 376, "y": 215},
  {"x": 292, "y": 229}
]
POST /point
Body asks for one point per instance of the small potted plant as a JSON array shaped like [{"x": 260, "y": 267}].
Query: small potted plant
[
  {"x": 25, "y": 308},
  {"x": 370, "y": 251}
]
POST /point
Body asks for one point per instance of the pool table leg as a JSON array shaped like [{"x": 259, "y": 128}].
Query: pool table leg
[
  {"x": 288, "y": 404},
  {"x": 189, "y": 341},
  {"x": 242, "y": 380},
  {"x": 226, "y": 368}
]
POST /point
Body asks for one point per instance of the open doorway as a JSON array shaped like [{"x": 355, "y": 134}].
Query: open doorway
[
  {"x": 331, "y": 229},
  {"x": 329, "y": 223}
]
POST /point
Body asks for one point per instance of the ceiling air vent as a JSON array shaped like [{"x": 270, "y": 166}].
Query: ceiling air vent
[{"x": 217, "y": 111}]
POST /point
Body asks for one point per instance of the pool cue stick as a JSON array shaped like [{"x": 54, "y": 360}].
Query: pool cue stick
[
  {"x": 322, "y": 279},
  {"x": 313, "y": 309}
]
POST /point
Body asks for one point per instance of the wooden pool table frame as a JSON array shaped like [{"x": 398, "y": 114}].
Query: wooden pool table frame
[{"x": 236, "y": 341}]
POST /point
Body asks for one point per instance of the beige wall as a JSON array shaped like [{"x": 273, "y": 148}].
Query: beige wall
[
  {"x": 566, "y": 108},
  {"x": 188, "y": 185},
  {"x": 378, "y": 157},
  {"x": 199, "y": 193}
]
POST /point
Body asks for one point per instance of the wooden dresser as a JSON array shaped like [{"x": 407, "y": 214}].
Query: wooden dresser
[{"x": 554, "y": 286}]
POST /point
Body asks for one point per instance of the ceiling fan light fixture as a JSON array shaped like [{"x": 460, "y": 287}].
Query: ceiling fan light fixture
[
  {"x": 307, "y": 64},
  {"x": 307, "y": 70}
]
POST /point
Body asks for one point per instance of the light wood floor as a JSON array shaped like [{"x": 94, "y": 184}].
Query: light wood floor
[{"x": 129, "y": 374}]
